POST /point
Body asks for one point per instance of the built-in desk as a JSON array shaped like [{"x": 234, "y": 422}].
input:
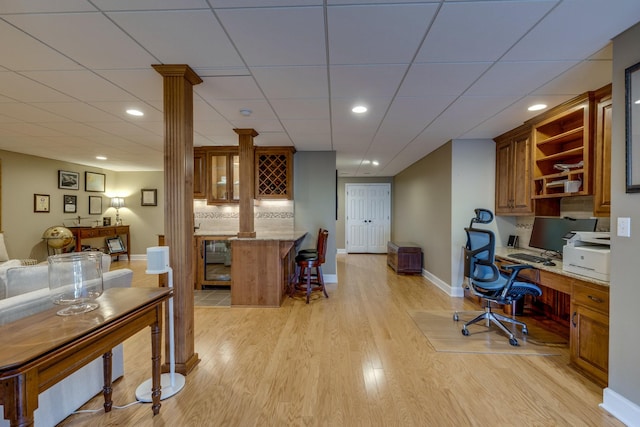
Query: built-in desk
[{"x": 580, "y": 303}]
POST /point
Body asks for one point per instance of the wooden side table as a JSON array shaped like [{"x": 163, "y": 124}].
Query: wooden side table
[{"x": 404, "y": 257}]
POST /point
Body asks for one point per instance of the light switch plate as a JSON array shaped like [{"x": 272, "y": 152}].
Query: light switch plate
[{"x": 624, "y": 227}]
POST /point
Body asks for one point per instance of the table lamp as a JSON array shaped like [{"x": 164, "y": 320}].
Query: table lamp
[{"x": 117, "y": 202}]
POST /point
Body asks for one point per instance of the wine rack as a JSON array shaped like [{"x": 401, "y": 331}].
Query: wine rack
[{"x": 274, "y": 174}]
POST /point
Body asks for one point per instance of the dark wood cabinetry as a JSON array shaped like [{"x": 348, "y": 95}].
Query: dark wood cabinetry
[
  {"x": 513, "y": 172},
  {"x": 199, "y": 174},
  {"x": 274, "y": 173},
  {"x": 404, "y": 258},
  {"x": 602, "y": 153},
  {"x": 590, "y": 330}
]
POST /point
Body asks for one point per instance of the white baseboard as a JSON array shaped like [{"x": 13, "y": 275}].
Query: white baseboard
[
  {"x": 621, "y": 408},
  {"x": 442, "y": 285},
  {"x": 341, "y": 250}
]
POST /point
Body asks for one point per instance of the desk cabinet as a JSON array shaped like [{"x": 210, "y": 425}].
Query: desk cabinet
[
  {"x": 589, "y": 344},
  {"x": 513, "y": 176}
]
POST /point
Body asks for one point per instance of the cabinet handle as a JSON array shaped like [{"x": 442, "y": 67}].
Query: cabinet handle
[
  {"x": 573, "y": 319},
  {"x": 595, "y": 299}
]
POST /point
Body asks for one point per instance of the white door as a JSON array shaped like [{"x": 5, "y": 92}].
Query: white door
[{"x": 368, "y": 221}]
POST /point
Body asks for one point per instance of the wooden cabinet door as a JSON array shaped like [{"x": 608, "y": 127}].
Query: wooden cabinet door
[
  {"x": 590, "y": 342},
  {"x": 503, "y": 177},
  {"x": 199, "y": 175},
  {"x": 602, "y": 179},
  {"x": 521, "y": 162}
]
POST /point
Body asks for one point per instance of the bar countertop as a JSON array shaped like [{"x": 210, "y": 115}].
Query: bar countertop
[{"x": 260, "y": 235}]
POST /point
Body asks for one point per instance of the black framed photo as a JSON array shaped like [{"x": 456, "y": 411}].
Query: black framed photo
[
  {"x": 68, "y": 180},
  {"x": 41, "y": 203},
  {"x": 70, "y": 203},
  {"x": 149, "y": 197},
  {"x": 115, "y": 245},
  {"x": 94, "y": 181},
  {"x": 95, "y": 205},
  {"x": 632, "y": 131}
]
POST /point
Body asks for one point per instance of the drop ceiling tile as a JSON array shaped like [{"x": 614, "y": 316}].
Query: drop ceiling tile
[
  {"x": 25, "y": 53},
  {"x": 587, "y": 75},
  {"x": 263, "y": 3},
  {"x": 119, "y": 5},
  {"x": 479, "y": 31},
  {"x": 20, "y": 88},
  {"x": 144, "y": 84},
  {"x": 292, "y": 82},
  {"x": 296, "y": 109},
  {"x": 365, "y": 35},
  {"x": 442, "y": 79},
  {"x": 107, "y": 47},
  {"x": 32, "y": 113},
  {"x": 517, "y": 78},
  {"x": 228, "y": 87},
  {"x": 119, "y": 110},
  {"x": 575, "y": 29},
  {"x": 78, "y": 111},
  {"x": 34, "y": 6},
  {"x": 80, "y": 84},
  {"x": 299, "y": 128},
  {"x": 363, "y": 82},
  {"x": 278, "y": 36},
  {"x": 163, "y": 34},
  {"x": 204, "y": 112},
  {"x": 230, "y": 109}
]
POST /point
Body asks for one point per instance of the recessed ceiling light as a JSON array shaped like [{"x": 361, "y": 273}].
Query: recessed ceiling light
[
  {"x": 245, "y": 112},
  {"x": 537, "y": 107},
  {"x": 637, "y": 102},
  {"x": 359, "y": 109},
  {"x": 101, "y": 158},
  {"x": 133, "y": 112},
  {"x": 375, "y": 163},
  {"x": 366, "y": 162}
]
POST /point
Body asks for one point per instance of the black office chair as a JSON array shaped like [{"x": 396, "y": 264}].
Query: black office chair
[{"x": 484, "y": 278}]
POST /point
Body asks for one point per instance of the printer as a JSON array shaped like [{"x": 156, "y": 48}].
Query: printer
[{"x": 587, "y": 254}]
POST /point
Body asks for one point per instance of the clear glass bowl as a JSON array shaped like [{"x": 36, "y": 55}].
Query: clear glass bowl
[{"x": 75, "y": 281}]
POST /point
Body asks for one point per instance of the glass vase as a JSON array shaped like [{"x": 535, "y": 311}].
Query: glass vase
[{"x": 75, "y": 281}]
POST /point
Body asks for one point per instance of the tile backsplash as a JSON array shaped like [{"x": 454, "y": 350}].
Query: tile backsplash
[{"x": 269, "y": 215}]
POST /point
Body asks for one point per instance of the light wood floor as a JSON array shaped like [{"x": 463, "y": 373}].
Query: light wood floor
[{"x": 355, "y": 359}]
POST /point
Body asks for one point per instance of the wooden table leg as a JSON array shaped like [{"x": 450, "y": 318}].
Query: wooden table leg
[
  {"x": 20, "y": 399},
  {"x": 156, "y": 342},
  {"x": 107, "y": 390}
]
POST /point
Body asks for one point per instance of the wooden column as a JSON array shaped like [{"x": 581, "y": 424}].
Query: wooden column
[
  {"x": 245, "y": 139},
  {"x": 178, "y": 206}
]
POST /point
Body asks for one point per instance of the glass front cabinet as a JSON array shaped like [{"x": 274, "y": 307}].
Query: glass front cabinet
[{"x": 224, "y": 184}]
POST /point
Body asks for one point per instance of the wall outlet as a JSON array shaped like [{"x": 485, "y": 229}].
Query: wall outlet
[{"x": 624, "y": 227}]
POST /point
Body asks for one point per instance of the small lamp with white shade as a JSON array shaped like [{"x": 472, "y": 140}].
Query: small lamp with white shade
[{"x": 117, "y": 202}]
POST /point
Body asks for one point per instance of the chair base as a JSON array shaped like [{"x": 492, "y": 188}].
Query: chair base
[
  {"x": 490, "y": 317},
  {"x": 314, "y": 281}
]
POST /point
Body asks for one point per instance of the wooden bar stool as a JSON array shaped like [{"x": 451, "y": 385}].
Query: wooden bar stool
[{"x": 306, "y": 263}]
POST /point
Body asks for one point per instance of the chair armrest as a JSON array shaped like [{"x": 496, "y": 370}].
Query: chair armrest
[{"x": 516, "y": 267}]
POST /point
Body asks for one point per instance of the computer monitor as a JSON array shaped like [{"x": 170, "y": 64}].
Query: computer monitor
[{"x": 548, "y": 232}]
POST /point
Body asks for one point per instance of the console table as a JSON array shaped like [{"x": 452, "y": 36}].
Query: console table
[
  {"x": 42, "y": 349},
  {"x": 81, "y": 233}
]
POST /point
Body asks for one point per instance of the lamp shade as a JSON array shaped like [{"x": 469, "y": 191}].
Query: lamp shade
[{"x": 117, "y": 202}]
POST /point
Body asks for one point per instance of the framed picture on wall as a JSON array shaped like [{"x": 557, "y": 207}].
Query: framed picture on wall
[
  {"x": 68, "y": 180},
  {"x": 70, "y": 203},
  {"x": 95, "y": 205},
  {"x": 94, "y": 182},
  {"x": 149, "y": 197},
  {"x": 41, "y": 202}
]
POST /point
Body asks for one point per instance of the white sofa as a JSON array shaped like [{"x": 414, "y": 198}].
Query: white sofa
[{"x": 27, "y": 289}]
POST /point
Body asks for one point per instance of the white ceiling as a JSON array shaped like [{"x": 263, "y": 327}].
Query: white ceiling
[{"x": 429, "y": 72}]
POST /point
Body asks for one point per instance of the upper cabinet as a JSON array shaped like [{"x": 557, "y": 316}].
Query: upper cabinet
[
  {"x": 602, "y": 156},
  {"x": 199, "y": 173},
  {"x": 563, "y": 150},
  {"x": 223, "y": 176},
  {"x": 216, "y": 174},
  {"x": 274, "y": 173},
  {"x": 513, "y": 176}
]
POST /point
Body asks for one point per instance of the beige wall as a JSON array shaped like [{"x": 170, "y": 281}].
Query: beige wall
[
  {"x": 340, "y": 222},
  {"x": 624, "y": 347},
  {"x": 421, "y": 209},
  {"x": 24, "y": 175}
]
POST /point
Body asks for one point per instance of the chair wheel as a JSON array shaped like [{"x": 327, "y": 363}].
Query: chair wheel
[
  {"x": 513, "y": 342},
  {"x": 525, "y": 331},
  {"x": 455, "y": 317},
  {"x": 465, "y": 332}
]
